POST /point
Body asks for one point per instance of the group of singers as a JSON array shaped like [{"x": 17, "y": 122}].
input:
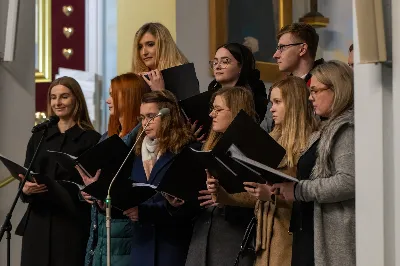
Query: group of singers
[{"x": 309, "y": 112}]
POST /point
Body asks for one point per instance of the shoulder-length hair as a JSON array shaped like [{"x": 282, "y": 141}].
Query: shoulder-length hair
[
  {"x": 236, "y": 99},
  {"x": 337, "y": 76},
  {"x": 174, "y": 133},
  {"x": 167, "y": 53},
  {"x": 299, "y": 121},
  {"x": 80, "y": 113},
  {"x": 127, "y": 92}
]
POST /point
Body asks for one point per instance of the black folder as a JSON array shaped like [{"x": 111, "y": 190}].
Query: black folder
[
  {"x": 253, "y": 142},
  {"x": 185, "y": 177},
  {"x": 124, "y": 193},
  {"x": 107, "y": 155},
  {"x": 181, "y": 80},
  {"x": 16, "y": 169},
  {"x": 198, "y": 108}
]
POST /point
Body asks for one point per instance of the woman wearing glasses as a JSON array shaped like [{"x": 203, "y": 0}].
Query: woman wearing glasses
[
  {"x": 160, "y": 239},
  {"x": 219, "y": 230},
  {"x": 126, "y": 90},
  {"x": 324, "y": 226},
  {"x": 294, "y": 123},
  {"x": 234, "y": 65}
]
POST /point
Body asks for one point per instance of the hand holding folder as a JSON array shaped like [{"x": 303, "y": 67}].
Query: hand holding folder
[
  {"x": 16, "y": 170},
  {"x": 181, "y": 81},
  {"x": 107, "y": 155}
]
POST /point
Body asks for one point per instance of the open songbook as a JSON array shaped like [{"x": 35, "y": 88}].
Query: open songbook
[{"x": 270, "y": 174}]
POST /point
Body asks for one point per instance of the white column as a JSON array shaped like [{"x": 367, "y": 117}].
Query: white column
[
  {"x": 94, "y": 36},
  {"x": 368, "y": 95},
  {"x": 396, "y": 131}
]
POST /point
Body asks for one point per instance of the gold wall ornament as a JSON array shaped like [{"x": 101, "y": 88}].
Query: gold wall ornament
[
  {"x": 67, "y": 10},
  {"x": 68, "y": 31},
  {"x": 314, "y": 18},
  {"x": 43, "y": 58},
  {"x": 67, "y": 52}
]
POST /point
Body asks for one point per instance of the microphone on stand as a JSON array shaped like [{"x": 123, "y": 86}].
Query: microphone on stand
[
  {"x": 46, "y": 124},
  {"x": 162, "y": 113}
]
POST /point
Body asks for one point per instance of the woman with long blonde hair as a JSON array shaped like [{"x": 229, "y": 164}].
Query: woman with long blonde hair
[
  {"x": 154, "y": 50},
  {"x": 324, "y": 224},
  {"x": 294, "y": 123}
]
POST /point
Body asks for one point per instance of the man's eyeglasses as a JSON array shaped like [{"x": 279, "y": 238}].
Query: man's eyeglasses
[
  {"x": 282, "y": 47},
  {"x": 223, "y": 63}
]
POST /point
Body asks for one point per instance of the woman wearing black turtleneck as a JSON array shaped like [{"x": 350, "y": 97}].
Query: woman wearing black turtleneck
[{"x": 234, "y": 65}]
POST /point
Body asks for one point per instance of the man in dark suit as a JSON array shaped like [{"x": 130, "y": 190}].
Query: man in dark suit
[{"x": 295, "y": 55}]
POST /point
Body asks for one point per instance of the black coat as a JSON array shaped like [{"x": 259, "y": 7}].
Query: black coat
[
  {"x": 55, "y": 227},
  {"x": 217, "y": 236}
]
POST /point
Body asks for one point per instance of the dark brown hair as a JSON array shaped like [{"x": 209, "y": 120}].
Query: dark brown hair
[{"x": 174, "y": 133}]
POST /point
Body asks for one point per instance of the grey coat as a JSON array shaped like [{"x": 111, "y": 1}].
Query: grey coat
[{"x": 332, "y": 188}]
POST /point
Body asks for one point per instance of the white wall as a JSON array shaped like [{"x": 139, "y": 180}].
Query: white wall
[
  {"x": 336, "y": 38},
  {"x": 192, "y": 36},
  {"x": 17, "y": 107}
]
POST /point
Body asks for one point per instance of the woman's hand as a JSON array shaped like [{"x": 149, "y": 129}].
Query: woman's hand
[
  {"x": 212, "y": 184},
  {"x": 260, "y": 191},
  {"x": 88, "y": 179},
  {"x": 87, "y": 197},
  {"x": 196, "y": 131},
  {"x": 174, "y": 201},
  {"x": 132, "y": 213},
  {"x": 155, "y": 80},
  {"x": 32, "y": 188},
  {"x": 285, "y": 190},
  {"x": 205, "y": 199}
]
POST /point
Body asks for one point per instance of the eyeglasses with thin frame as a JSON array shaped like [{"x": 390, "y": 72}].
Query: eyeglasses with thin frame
[
  {"x": 146, "y": 117},
  {"x": 315, "y": 91},
  {"x": 216, "y": 111},
  {"x": 224, "y": 63},
  {"x": 282, "y": 47}
]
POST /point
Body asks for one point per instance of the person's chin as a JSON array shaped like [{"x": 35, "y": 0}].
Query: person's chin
[{"x": 150, "y": 64}]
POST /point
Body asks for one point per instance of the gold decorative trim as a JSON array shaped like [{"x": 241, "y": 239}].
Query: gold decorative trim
[
  {"x": 218, "y": 33},
  {"x": 6, "y": 181},
  {"x": 43, "y": 74}
]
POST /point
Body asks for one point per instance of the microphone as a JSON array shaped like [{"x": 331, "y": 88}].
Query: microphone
[
  {"x": 162, "y": 113},
  {"x": 51, "y": 121}
]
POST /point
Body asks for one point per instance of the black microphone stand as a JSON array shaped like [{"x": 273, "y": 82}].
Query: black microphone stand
[{"x": 7, "y": 226}]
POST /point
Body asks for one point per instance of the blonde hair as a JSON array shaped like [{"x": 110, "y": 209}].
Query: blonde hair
[
  {"x": 299, "y": 121},
  {"x": 236, "y": 99},
  {"x": 338, "y": 77},
  {"x": 80, "y": 114},
  {"x": 167, "y": 53}
]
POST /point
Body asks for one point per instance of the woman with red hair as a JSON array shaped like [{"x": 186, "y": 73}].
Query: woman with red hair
[{"x": 126, "y": 92}]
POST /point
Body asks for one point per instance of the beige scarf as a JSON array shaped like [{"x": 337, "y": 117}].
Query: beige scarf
[{"x": 150, "y": 155}]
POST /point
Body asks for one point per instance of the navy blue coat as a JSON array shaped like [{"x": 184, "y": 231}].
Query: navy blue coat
[{"x": 161, "y": 237}]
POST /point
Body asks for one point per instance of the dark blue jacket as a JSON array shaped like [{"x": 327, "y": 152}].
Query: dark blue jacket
[{"x": 162, "y": 235}]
